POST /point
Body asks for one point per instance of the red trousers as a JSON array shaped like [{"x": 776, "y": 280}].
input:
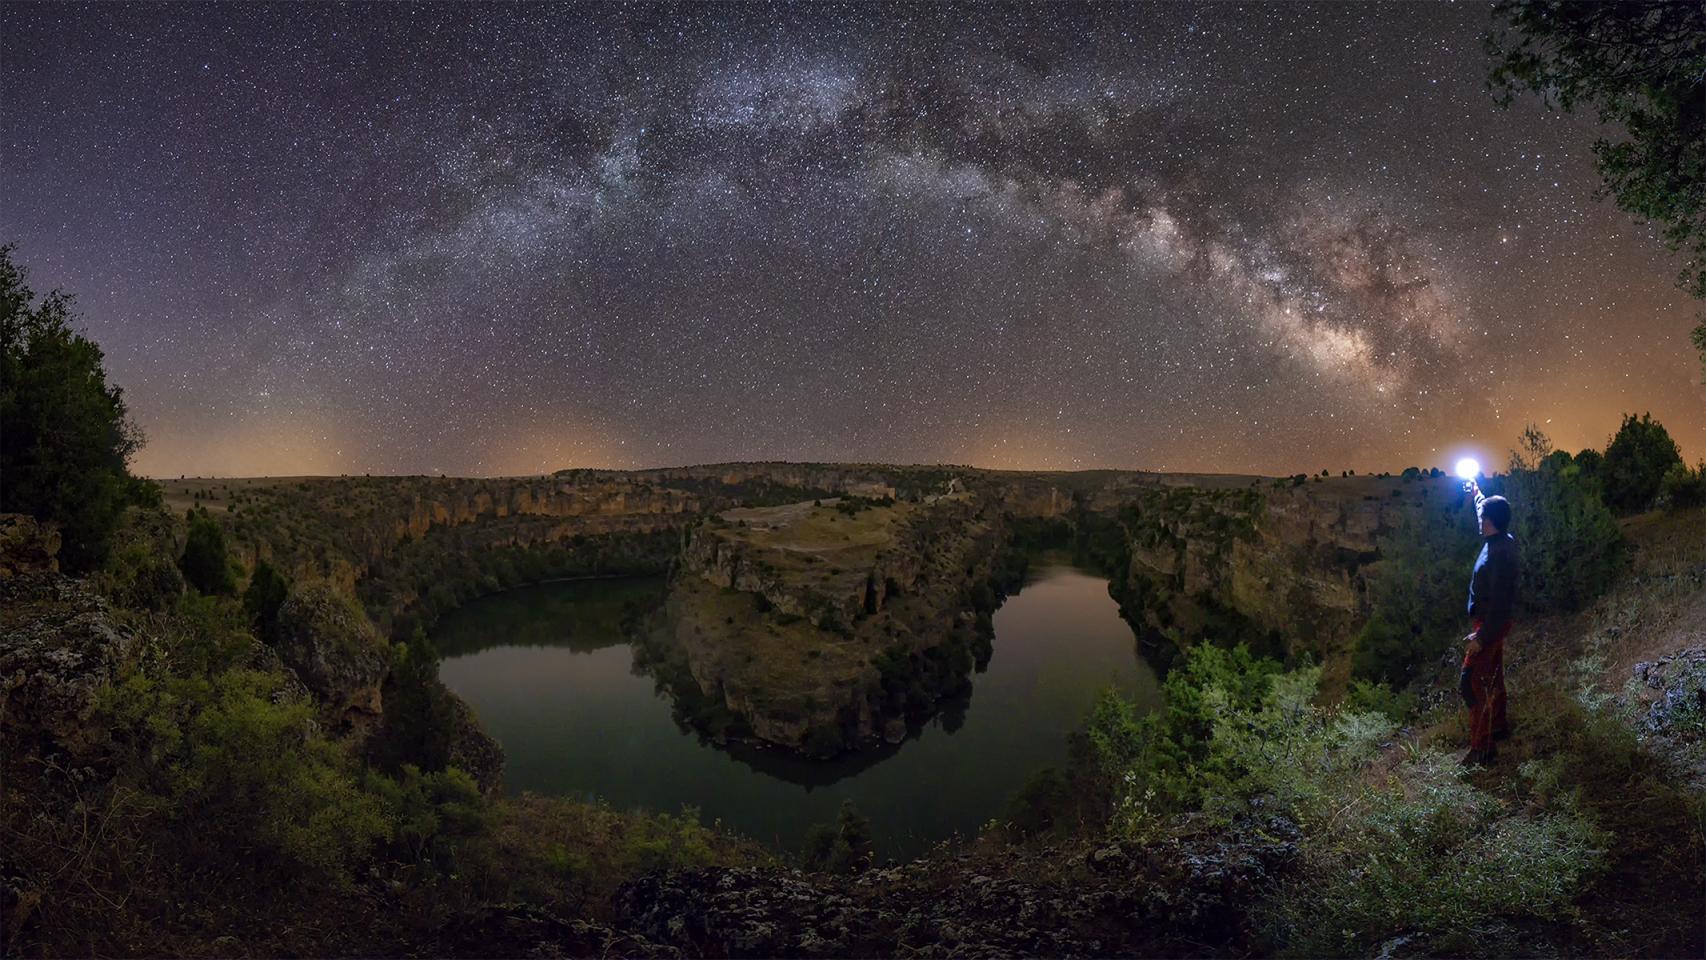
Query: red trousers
[{"x": 1484, "y": 687}]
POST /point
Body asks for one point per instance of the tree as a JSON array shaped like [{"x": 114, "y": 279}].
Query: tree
[
  {"x": 1683, "y": 488},
  {"x": 65, "y": 436},
  {"x": 1641, "y": 66},
  {"x": 264, "y": 596},
  {"x": 844, "y": 847},
  {"x": 1571, "y": 546},
  {"x": 205, "y": 563},
  {"x": 1636, "y": 462}
]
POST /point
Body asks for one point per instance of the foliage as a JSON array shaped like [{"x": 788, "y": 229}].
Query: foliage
[
  {"x": 1425, "y": 853},
  {"x": 67, "y": 438},
  {"x": 1395, "y": 705},
  {"x": 1641, "y": 66},
  {"x": 246, "y": 785},
  {"x": 418, "y": 711},
  {"x": 1636, "y": 462},
  {"x": 1570, "y": 544},
  {"x": 205, "y": 562},
  {"x": 1428, "y": 854},
  {"x": 1683, "y": 488},
  {"x": 434, "y": 816},
  {"x": 137, "y": 576},
  {"x": 666, "y": 842},
  {"x": 1165, "y": 761},
  {"x": 265, "y": 594},
  {"x": 1417, "y": 592},
  {"x": 842, "y": 847}
]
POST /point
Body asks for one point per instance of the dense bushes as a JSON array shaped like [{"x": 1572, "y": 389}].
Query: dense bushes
[
  {"x": 844, "y": 846},
  {"x": 1417, "y": 593},
  {"x": 1636, "y": 462},
  {"x": 1421, "y": 852},
  {"x": 1683, "y": 488},
  {"x": 205, "y": 562},
  {"x": 1570, "y": 546},
  {"x": 66, "y": 440},
  {"x": 1430, "y": 857},
  {"x": 241, "y": 781}
]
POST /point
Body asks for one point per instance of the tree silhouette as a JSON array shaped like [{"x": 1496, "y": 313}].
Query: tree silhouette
[
  {"x": 1641, "y": 66},
  {"x": 65, "y": 437}
]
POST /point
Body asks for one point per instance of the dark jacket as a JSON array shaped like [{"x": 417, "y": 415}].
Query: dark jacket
[{"x": 1492, "y": 587}]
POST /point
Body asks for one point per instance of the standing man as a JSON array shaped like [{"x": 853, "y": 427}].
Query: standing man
[{"x": 1492, "y": 598}]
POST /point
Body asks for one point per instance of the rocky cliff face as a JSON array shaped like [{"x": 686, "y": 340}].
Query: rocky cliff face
[
  {"x": 60, "y": 644},
  {"x": 1288, "y": 562},
  {"x": 821, "y": 629},
  {"x": 325, "y": 639}
]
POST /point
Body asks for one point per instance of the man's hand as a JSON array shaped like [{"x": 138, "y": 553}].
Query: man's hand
[{"x": 1473, "y": 643}]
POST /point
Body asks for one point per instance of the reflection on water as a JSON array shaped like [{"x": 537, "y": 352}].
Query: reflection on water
[{"x": 549, "y": 671}]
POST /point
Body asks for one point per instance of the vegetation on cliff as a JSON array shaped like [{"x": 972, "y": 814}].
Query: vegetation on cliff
[{"x": 67, "y": 443}]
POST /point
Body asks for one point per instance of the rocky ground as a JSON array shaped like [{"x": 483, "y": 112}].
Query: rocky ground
[{"x": 1185, "y": 897}]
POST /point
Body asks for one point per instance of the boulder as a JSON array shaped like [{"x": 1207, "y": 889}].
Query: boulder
[
  {"x": 59, "y": 645},
  {"x": 27, "y": 546},
  {"x": 326, "y": 639}
]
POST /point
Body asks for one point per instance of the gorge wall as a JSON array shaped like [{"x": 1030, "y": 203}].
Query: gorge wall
[{"x": 821, "y": 628}]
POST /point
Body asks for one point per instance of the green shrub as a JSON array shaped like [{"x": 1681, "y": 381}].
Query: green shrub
[
  {"x": 1683, "y": 488},
  {"x": 1380, "y": 698},
  {"x": 250, "y": 789},
  {"x": 266, "y": 593},
  {"x": 205, "y": 562},
  {"x": 68, "y": 439},
  {"x": 666, "y": 842},
  {"x": 1232, "y": 728},
  {"x": 1432, "y": 856},
  {"x": 1417, "y": 592},
  {"x": 1570, "y": 545},
  {"x": 1636, "y": 462},
  {"x": 136, "y": 576},
  {"x": 841, "y": 847},
  {"x": 434, "y": 816}
]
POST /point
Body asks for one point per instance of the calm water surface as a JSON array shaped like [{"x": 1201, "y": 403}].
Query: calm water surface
[{"x": 549, "y": 672}]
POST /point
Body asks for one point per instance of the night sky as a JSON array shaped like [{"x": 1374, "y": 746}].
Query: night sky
[{"x": 500, "y": 239}]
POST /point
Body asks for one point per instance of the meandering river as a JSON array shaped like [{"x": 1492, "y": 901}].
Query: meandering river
[{"x": 549, "y": 671}]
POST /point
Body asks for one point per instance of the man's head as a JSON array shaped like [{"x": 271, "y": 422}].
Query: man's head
[{"x": 1495, "y": 516}]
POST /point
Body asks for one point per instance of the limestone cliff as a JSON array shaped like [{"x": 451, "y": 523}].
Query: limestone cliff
[
  {"x": 824, "y": 625},
  {"x": 1286, "y": 561}
]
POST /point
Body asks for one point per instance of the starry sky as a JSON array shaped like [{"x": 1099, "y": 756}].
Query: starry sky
[{"x": 510, "y": 238}]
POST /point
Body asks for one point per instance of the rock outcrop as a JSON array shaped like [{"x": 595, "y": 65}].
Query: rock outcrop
[
  {"x": 1290, "y": 562},
  {"x": 27, "y": 545},
  {"x": 325, "y": 639},
  {"x": 1172, "y": 898},
  {"x": 826, "y": 625},
  {"x": 59, "y": 645}
]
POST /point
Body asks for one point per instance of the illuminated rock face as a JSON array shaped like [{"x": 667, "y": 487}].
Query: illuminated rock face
[
  {"x": 822, "y": 627},
  {"x": 1287, "y": 563}
]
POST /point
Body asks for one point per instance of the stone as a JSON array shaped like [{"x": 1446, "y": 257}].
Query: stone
[
  {"x": 27, "y": 545},
  {"x": 327, "y": 641},
  {"x": 59, "y": 645}
]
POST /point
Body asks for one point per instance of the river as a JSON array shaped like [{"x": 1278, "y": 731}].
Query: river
[{"x": 549, "y": 673}]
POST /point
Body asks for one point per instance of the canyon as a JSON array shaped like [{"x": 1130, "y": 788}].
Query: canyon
[{"x": 827, "y": 607}]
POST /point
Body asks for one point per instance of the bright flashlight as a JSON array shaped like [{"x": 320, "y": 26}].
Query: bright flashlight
[{"x": 1468, "y": 468}]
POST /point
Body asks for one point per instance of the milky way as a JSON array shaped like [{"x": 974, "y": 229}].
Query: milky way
[{"x": 512, "y": 238}]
